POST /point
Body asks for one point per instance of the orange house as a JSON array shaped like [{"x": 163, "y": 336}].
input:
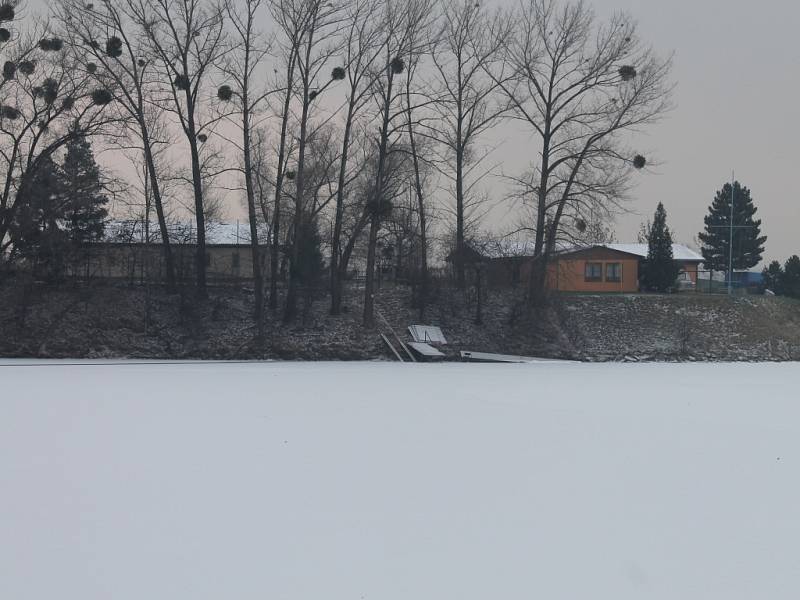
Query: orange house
[
  {"x": 613, "y": 268},
  {"x": 596, "y": 269}
]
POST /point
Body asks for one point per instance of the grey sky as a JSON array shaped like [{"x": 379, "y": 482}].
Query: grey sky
[{"x": 737, "y": 68}]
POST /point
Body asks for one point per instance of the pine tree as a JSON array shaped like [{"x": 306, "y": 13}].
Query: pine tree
[
  {"x": 773, "y": 277},
  {"x": 84, "y": 206},
  {"x": 35, "y": 230},
  {"x": 310, "y": 264},
  {"x": 660, "y": 270},
  {"x": 790, "y": 282},
  {"x": 748, "y": 244}
]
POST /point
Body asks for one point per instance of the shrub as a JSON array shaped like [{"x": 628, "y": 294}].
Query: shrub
[
  {"x": 627, "y": 72},
  {"x": 337, "y": 74},
  {"x": 9, "y": 70},
  {"x": 51, "y": 45},
  {"x": 181, "y": 82},
  {"x": 114, "y": 47},
  {"x": 101, "y": 96},
  {"x": 27, "y": 67},
  {"x": 9, "y": 112},
  {"x": 397, "y": 65},
  {"x": 225, "y": 93},
  {"x": 7, "y": 12},
  {"x": 5, "y": 34}
]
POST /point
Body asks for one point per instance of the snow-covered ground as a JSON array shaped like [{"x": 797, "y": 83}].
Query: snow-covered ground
[{"x": 399, "y": 482}]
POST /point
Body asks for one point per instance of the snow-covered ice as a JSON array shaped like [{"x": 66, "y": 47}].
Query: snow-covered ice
[{"x": 399, "y": 482}]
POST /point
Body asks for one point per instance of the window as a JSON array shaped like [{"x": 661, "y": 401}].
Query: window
[
  {"x": 235, "y": 260},
  {"x": 614, "y": 272},
  {"x": 594, "y": 271},
  {"x": 683, "y": 276}
]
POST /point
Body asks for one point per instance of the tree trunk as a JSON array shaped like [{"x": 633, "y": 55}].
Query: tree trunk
[
  {"x": 275, "y": 262},
  {"x": 377, "y": 209},
  {"x": 336, "y": 280},
  {"x": 258, "y": 278},
  {"x": 169, "y": 260}
]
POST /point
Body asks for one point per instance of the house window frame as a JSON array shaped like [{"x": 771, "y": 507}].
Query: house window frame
[
  {"x": 591, "y": 265},
  {"x": 609, "y": 277}
]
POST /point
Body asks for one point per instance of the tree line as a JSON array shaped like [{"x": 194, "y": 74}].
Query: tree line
[{"x": 340, "y": 124}]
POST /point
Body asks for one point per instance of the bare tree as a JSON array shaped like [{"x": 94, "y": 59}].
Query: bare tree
[
  {"x": 188, "y": 39},
  {"x": 579, "y": 85},
  {"x": 467, "y": 102},
  {"x": 241, "y": 67},
  {"x": 109, "y": 46},
  {"x": 46, "y": 100},
  {"x": 416, "y": 98},
  {"x": 400, "y": 23},
  {"x": 320, "y": 22},
  {"x": 364, "y": 49}
]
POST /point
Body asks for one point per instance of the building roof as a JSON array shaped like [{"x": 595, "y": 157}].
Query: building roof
[
  {"x": 520, "y": 248},
  {"x": 679, "y": 251},
  {"x": 219, "y": 234}
]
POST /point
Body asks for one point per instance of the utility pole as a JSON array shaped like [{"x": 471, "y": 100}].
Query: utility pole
[{"x": 730, "y": 239}]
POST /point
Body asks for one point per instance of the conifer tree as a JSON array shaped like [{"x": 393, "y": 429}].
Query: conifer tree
[
  {"x": 84, "y": 201},
  {"x": 748, "y": 244},
  {"x": 35, "y": 229},
  {"x": 773, "y": 277},
  {"x": 660, "y": 270},
  {"x": 790, "y": 281}
]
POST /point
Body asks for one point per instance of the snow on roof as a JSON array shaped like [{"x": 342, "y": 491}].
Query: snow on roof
[
  {"x": 524, "y": 248},
  {"x": 679, "y": 251},
  {"x": 132, "y": 232}
]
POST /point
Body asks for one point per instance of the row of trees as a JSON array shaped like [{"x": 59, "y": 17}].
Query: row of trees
[
  {"x": 783, "y": 280},
  {"x": 350, "y": 117},
  {"x": 731, "y": 238}
]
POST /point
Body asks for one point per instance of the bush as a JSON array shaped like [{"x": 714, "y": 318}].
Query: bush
[
  {"x": 397, "y": 65},
  {"x": 9, "y": 112},
  {"x": 5, "y": 34},
  {"x": 7, "y": 12},
  {"x": 337, "y": 74},
  {"x": 9, "y": 70},
  {"x": 51, "y": 45},
  {"x": 114, "y": 47},
  {"x": 27, "y": 67},
  {"x": 181, "y": 82},
  {"x": 225, "y": 93},
  {"x": 101, "y": 97}
]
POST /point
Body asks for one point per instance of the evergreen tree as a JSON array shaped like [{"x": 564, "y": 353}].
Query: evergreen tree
[
  {"x": 748, "y": 244},
  {"x": 660, "y": 270},
  {"x": 84, "y": 201},
  {"x": 310, "y": 264},
  {"x": 773, "y": 277},
  {"x": 36, "y": 230},
  {"x": 790, "y": 282}
]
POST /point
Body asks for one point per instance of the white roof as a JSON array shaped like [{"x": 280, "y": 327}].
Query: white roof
[
  {"x": 679, "y": 251},
  {"x": 132, "y": 231}
]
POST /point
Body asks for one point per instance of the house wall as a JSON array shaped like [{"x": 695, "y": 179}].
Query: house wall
[
  {"x": 691, "y": 270},
  {"x": 134, "y": 262},
  {"x": 568, "y": 273}
]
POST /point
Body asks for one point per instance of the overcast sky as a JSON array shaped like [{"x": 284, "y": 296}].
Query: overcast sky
[{"x": 737, "y": 69}]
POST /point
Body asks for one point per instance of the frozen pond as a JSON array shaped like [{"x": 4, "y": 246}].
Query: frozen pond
[{"x": 383, "y": 481}]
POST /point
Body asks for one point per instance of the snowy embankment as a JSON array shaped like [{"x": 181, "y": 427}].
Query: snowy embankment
[{"x": 399, "y": 482}]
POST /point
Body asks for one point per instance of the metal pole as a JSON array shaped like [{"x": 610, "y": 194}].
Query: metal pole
[{"x": 730, "y": 241}]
